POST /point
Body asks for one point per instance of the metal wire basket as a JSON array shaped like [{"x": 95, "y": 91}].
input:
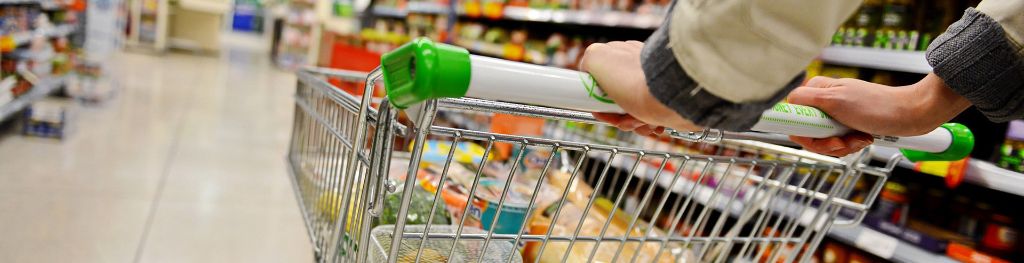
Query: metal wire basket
[{"x": 577, "y": 191}]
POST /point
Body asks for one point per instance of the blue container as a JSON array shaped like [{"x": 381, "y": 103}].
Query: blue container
[{"x": 485, "y": 207}]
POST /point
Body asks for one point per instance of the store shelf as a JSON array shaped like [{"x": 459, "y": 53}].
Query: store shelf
[
  {"x": 594, "y": 18},
  {"x": 341, "y": 26},
  {"x": 45, "y": 4},
  {"x": 387, "y": 11},
  {"x": 412, "y": 7},
  {"x": 428, "y": 8},
  {"x": 21, "y": 38},
  {"x": 496, "y": 50},
  {"x": 303, "y": 2},
  {"x": 979, "y": 172},
  {"x": 16, "y": 2},
  {"x": 884, "y": 246},
  {"x": 480, "y": 47},
  {"x": 39, "y": 91},
  {"x": 905, "y": 61}
]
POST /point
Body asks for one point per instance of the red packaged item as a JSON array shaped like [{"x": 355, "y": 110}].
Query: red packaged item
[
  {"x": 967, "y": 254},
  {"x": 999, "y": 239}
]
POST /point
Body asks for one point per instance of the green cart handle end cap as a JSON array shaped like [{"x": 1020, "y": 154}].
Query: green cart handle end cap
[
  {"x": 959, "y": 148},
  {"x": 421, "y": 70}
]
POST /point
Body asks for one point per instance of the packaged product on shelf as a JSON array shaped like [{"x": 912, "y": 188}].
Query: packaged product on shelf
[
  {"x": 515, "y": 50},
  {"x": 473, "y": 8},
  {"x": 1000, "y": 237},
  {"x": 965, "y": 253},
  {"x": 6, "y": 86},
  {"x": 513, "y": 125},
  {"x": 833, "y": 252},
  {"x": 493, "y": 8},
  {"x": 855, "y": 31},
  {"x": 927, "y": 236},
  {"x": 49, "y": 118},
  {"x": 892, "y": 205},
  {"x": 557, "y": 49},
  {"x": 839, "y": 72},
  {"x": 964, "y": 221},
  {"x": 857, "y": 257},
  {"x": 1011, "y": 153}
]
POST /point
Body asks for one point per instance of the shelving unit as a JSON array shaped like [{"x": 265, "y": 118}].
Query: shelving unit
[
  {"x": 885, "y": 246},
  {"x": 412, "y": 7},
  {"x": 979, "y": 172},
  {"x": 594, "y": 18},
  {"x": 903, "y": 61},
  {"x": 39, "y": 91},
  {"x": 12, "y": 41},
  {"x": 43, "y": 85}
]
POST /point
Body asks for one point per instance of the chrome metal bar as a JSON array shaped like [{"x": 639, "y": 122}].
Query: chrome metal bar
[
  {"x": 471, "y": 195},
  {"x": 561, "y": 202},
  {"x": 661, "y": 205},
  {"x": 590, "y": 202},
  {"x": 643, "y": 202},
  {"x": 502, "y": 197},
  {"x": 615, "y": 206},
  {"x": 429, "y": 109},
  {"x": 484, "y": 236},
  {"x": 533, "y": 198},
  {"x": 437, "y": 193}
]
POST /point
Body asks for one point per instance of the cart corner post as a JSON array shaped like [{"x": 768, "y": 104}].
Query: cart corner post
[{"x": 421, "y": 70}]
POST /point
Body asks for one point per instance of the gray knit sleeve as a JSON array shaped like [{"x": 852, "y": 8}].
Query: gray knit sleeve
[
  {"x": 668, "y": 82},
  {"x": 979, "y": 61}
]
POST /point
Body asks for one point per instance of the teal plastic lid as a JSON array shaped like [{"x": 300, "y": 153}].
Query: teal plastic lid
[{"x": 421, "y": 70}]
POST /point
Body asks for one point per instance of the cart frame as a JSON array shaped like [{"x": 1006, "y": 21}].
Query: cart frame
[{"x": 341, "y": 149}]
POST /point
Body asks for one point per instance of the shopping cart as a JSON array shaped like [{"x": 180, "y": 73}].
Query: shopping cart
[{"x": 416, "y": 176}]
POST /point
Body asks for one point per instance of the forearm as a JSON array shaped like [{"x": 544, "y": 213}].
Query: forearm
[{"x": 669, "y": 83}]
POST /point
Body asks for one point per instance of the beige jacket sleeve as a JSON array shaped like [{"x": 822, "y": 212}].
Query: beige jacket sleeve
[
  {"x": 749, "y": 50},
  {"x": 1009, "y": 14}
]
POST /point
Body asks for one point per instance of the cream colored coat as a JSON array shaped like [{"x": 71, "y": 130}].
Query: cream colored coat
[{"x": 729, "y": 46}]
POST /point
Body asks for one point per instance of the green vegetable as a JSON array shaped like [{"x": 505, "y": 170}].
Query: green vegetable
[{"x": 419, "y": 209}]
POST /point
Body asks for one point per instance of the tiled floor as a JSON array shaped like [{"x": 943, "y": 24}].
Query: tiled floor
[{"x": 186, "y": 164}]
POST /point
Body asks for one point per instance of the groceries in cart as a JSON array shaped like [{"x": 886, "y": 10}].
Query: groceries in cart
[{"x": 528, "y": 170}]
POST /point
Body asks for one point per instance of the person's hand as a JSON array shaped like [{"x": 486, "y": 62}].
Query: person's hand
[
  {"x": 876, "y": 109},
  {"x": 616, "y": 68}
]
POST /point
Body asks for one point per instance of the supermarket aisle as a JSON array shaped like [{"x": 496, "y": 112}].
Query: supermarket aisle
[{"x": 185, "y": 165}]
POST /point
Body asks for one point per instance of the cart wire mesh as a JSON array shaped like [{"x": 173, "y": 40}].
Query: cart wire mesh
[{"x": 435, "y": 183}]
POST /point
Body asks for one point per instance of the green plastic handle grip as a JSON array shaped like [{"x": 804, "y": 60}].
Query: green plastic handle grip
[{"x": 960, "y": 147}]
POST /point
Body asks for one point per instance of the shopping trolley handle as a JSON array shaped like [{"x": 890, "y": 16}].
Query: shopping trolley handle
[{"x": 422, "y": 70}]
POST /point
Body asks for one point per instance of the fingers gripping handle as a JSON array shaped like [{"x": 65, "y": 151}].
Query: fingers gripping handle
[
  {"x": 949, "y": 142},
  {"x": 423, "y": 70}
]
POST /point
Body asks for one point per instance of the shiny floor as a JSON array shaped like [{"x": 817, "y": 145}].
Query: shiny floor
[{"x": 185, "y": 164}]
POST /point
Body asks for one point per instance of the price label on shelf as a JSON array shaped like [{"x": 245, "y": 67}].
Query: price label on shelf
[{"x": 877, "y": 243}]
